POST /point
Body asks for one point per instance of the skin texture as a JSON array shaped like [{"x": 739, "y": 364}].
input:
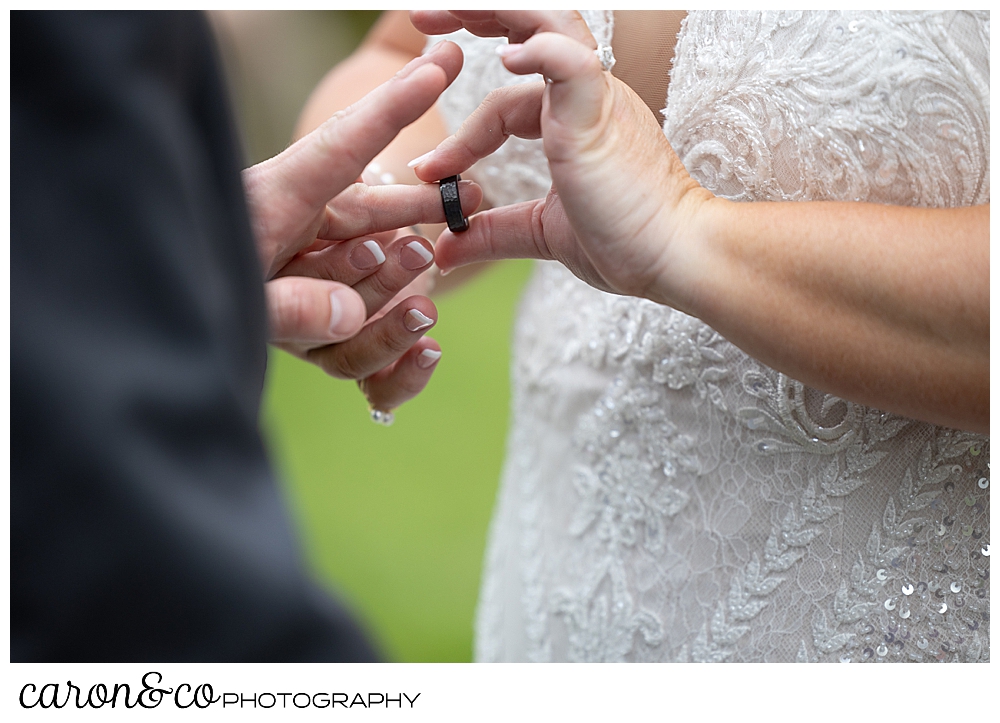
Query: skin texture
[
  {"x": 329, "y": 301},
  {"x": 391, "y": 44},
  {"x": 885, "y": 306}
]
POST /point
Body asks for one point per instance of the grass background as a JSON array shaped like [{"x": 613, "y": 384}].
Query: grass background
[{"x": 392, "y": 519}]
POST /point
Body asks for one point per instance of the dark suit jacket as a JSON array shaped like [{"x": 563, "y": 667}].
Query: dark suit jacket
[{"x": 146, "y": 524}]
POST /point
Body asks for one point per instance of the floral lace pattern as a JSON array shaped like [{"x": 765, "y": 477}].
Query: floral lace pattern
[{"x": 667, "y": 497}]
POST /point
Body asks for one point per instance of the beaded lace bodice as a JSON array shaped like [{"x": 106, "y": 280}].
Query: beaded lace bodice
[{"x": 667, "y": 497}]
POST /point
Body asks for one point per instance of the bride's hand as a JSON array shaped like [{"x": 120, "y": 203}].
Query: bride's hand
[
  {"x": 887, "y": 306},
  {"x": 622, "y": 207}
]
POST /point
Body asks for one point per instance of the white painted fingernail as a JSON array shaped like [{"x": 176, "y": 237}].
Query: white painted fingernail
[
  {"x": 376, "y": 251},
  {"x": 415, "y": 321},
  {"x": 428, "y": 358},
  {"x": 367, "y": 255},
  {"x": 420, "y": 159},
  {"x": 418, "y": 248},
  {"x": 387, "y": 179}
]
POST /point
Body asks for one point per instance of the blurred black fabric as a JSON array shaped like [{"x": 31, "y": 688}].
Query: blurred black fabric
[{"x": 146, "y": 524}]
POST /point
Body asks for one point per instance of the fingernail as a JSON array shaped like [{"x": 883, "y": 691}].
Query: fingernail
[
  {"x": 367, "y": 255},
  {"x": 414, "y": 256},
  {"x": 415, "y": 321},
  {"x": 420, "y": 159},
  {"x": 443, "y": 272},
  {"x": 509, "y": 49},
  {"x": 428, "y": 358},
  {"x": 337, "y": 315}
]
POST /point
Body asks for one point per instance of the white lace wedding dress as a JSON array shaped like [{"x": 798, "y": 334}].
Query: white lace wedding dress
[{"x": 665, "y": 496}]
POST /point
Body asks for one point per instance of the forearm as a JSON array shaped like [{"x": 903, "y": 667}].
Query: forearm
[{"x": 883, "y": 305}]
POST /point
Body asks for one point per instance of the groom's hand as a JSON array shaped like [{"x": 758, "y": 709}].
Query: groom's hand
[{"x": 326, "y": 243}]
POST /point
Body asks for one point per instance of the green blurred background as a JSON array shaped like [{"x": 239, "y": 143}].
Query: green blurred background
[{"x": 394, "y": 519}]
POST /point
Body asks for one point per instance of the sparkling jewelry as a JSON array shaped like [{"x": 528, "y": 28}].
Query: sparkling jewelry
[
  {"x": 379, "y": 416},
  {"x": 457, "y": 222},
  {"x": 606, "y": 56}
]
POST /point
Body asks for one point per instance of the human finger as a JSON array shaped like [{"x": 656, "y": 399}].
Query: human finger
[
  {"x": 347, "y": 262},
  {"x": 362, "y": 209},
  {"x": 312, "y": 312},
  {"x": 323, "y": 163},
  {"x": 406, "y": 258},
  {"x": 377, "y": 272},
  {"x": 379, "y": 343},
  {"x": 505, "y": 232},
  {"x": 579, "y": 85},
  {"x": 400, "y": 382},
  {"x": 576, "y": 101},
  {"x": 533, "y": 230},
  {"x": 508, "y": 111},
  {"x": 382, "y": 237},
  {"x": 516, "y": 25}
]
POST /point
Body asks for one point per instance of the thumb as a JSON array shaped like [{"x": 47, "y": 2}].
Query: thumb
[
  {"x": 579, "y": 88},
  {"x": 312, "y": 312}
]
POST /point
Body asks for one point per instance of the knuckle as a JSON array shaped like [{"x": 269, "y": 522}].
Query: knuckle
[
  {"x": 290, "y": 311},
  {"x": 389, "y": 339},
  {"x": 376, "y": 290},
  {"x": 489, "y": 235},
  {"x": 493, "y": 99},
  {"x": 411, "y": 385},
  {"x": 328, "y": 265},
  {"x": 373, "y": 203},
  {"x": 538, "y": 231},
  {"x": 341, "y": 365},
  {"x": 328, "y": 135}
]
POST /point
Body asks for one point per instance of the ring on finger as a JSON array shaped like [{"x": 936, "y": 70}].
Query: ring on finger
[
  {"x": 452, "y": 202},
  {"x": 606, "y": 56},
  {"x": 383, "y": 417}
]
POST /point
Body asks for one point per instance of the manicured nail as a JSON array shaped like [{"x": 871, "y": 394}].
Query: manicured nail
[
  {"x": 420, "y": 159},
  {"x": 509, "y": 49},
  {"x": 367, "y": 255},
  {"x": 414, "y": 256},
  {"x": 415, "y": 321},
  {"x": 428, "y": 358}
]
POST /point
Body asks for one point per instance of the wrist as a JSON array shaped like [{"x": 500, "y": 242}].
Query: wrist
[
  {"x": 714, "y": 277},
  {"x": 689, "y": 262}
]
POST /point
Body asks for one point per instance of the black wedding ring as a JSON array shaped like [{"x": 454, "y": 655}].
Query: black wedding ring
[{"x": 457, "y": 222}]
